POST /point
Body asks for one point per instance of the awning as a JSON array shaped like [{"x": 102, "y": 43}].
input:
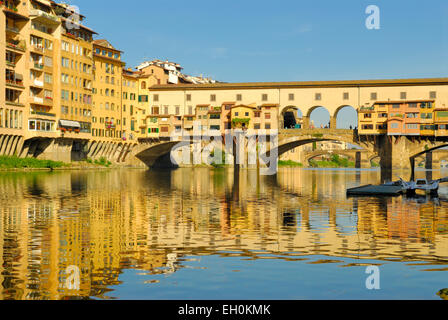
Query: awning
[
  {"x": 69, "y": 124},
  {"x": 18, "y": 76}
]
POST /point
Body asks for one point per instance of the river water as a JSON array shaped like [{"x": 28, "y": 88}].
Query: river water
[{"x": 212, "y": 234}]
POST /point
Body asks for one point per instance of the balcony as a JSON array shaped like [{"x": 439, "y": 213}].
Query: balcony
[
  {"x": 12, "y": 29},
  {"x": 109, "y": 125},
  {"x": 10, "y": 64},
  {"x": 15, "y": 83},
  {"x": 37, "y": 66},
  {"x": 37, "y": 83},
  {"x": 18, "y": 45},
  {"x": 41, "y": 113},
  {"x": 37, "y": 100},
  {"x": 14, "y": 103},
  {"x": 37, "y": 48},
  {"x": 44, "y": 17}
]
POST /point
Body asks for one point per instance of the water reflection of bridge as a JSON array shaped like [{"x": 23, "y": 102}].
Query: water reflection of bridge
[{"x": 105, "y": 222}]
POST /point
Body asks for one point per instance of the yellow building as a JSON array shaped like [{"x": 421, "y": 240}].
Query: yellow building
[{"x": 107, "y": 121}]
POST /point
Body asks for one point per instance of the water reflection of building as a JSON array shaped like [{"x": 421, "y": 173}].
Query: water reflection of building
[{"x": 105, "y": 222}]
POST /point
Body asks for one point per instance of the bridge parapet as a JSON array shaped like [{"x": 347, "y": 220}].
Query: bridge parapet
[{"x": 311, "y": 132}]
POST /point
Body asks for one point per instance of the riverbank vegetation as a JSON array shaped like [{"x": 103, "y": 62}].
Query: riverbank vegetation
[
  {"x": 334, "y": 162},
  {"x": 14, "y": 162},
  {"x": 290, "y": 163},
  {"x": 100, "y": 162}
]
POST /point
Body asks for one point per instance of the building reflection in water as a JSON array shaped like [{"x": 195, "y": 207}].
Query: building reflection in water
[{"x": 105, "y": 222}]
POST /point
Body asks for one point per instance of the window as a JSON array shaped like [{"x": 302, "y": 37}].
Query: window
[
  {"x": 373, "y": 96},
  {"x": 346, "y": 96},
  {"x": 433, "y": 95},
  {"x": 291, "y": 97},
  {"x": 156, "y": 98},
  {"x": 264, "y": 97},
  {"x": 239, "y": 97},
  {"x": 257, "y": 114},
  {"x": 412, "y": 126},
  {"x": 267, "y": 116},
  {"x": 412, "y": 105},
  {"x": 318, "y": 96},
  {"x": 403, "y": 95},
  {"x": 257, "y": 126},
  {"x": 143, "y": 98},
  {"x": 188, "y": 98},
  {"x": 396, "y": 106},
  {"x": 144, "y": 85},
  {"x": 367, "y": 115},
  {"x": 394, "y": 125},
  {"x": 213, "y": 97},
  {"x": 267, "y": 126},
  {"x": 177, "y": 110}
]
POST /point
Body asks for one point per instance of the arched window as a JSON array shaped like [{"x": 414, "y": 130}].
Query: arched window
[{"x": 144, "y": 85}]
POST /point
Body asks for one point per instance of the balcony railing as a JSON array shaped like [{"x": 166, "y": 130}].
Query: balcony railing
[
  {"x": 10, "y": 64},
  {"x": 109, "y": 125},
  {"x": 10, "y": 7},
  {"x": 37, "y": 100},
  {"x": 12, "y": 29},
  {"x": 41, "y": 113},
  {"x": 38, "y": 48},
  {"x": 16, "y": 45},
  {"x": 38, "y": 83},
  {"x": 44, "y": 16},
  {"x": 15, "y": 83},
  {"x": 367, "y": 108},
  {"x": 39, "y": 66}
]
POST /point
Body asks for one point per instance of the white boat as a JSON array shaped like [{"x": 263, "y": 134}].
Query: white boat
[
  {"x": 423, "y": 184},
  {"x": 420, "y": 184}
]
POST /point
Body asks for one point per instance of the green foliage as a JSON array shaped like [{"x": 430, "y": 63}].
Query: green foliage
[
  {"x": 374, "y": 164},
  {"x": 103, "y": 162},
  {"x": 289, "y": 163},
  {"x": 19, "y": 163},
  {"x": 334, "y": 162},
  {"x": 237, "y": 121}
]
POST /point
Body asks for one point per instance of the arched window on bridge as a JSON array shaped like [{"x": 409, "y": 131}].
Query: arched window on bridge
[{"x": 346, "y": 117}]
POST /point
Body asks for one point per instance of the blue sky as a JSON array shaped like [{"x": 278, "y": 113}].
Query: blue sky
[{"x": 249, "y": 41}]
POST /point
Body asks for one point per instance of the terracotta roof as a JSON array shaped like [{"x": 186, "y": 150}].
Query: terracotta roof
[
  {"x": 105, "y": 44},
  {"x": 243, "y": 106}
]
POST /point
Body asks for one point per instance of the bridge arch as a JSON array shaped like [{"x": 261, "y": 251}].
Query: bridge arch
[
  {"x": 345, "y": 117},
  {"x": 319, "y": 117},
  {"x": 290, "y": 116}
]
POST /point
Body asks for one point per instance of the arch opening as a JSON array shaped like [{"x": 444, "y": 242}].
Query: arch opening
[
  {"x": 346, "y": 117},
  {"x": 291, "y": 118},
  {"x": 319, "y": 117}
]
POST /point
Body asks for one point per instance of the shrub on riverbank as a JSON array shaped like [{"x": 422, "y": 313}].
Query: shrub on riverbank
[
  {"x": 21, "y": 163},
  {"x": 335, "y": 162},
  {"x": 289, "y": 163},
  {"x": 103, "y": 162}
]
